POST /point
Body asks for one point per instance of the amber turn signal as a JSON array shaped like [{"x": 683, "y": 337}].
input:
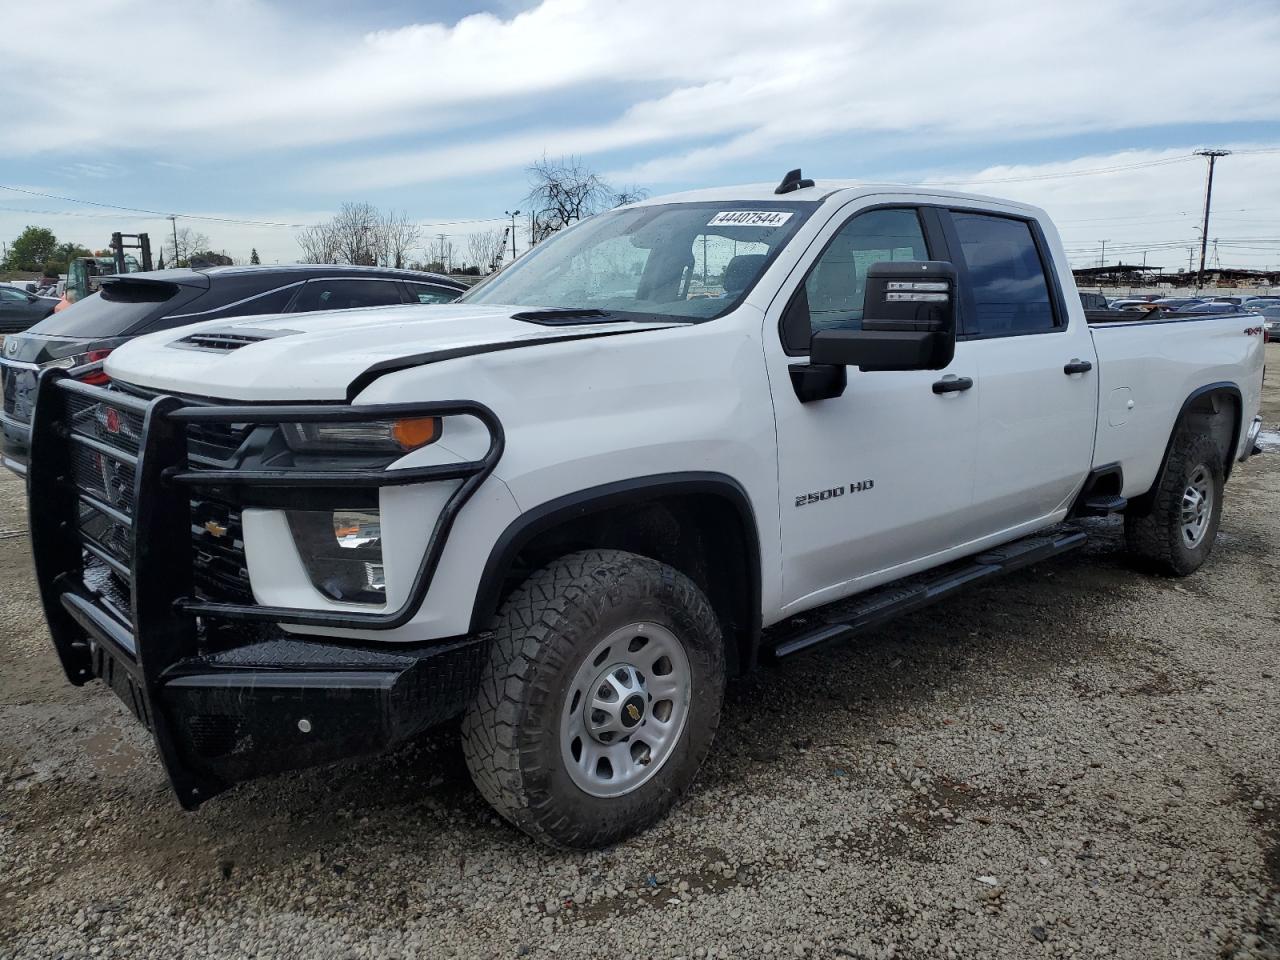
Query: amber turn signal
[{"x": 414, "y": 432}]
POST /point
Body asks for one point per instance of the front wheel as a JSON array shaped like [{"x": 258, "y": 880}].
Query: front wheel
[
  {"x": 1176, "y": 536},
  {"x": 600, "y": 699}
]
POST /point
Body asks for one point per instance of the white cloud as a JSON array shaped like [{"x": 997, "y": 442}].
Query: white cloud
[
  {"x": 1154, "y": 208},
  {"x": 707, "y": 82}
]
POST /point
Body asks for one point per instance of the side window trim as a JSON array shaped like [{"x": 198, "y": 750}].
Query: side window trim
[
  {"x": 235, "y": 303},
  {"x": 968, "y": 305},
  {"x": 932, "y": 237},
  {"x": 340, "y": 278}
]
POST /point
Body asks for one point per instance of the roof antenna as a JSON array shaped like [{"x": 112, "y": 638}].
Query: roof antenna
[{"x": 792, "y": 181}]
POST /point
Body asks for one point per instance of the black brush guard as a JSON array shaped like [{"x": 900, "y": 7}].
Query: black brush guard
[{"x": 225, "y": 692}]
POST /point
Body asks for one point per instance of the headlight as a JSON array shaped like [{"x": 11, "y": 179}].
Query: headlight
[
  {"x": 374, "y": 436},
  {"x": 342, "y": 552}
]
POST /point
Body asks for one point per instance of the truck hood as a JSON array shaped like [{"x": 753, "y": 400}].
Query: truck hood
[{"x": 329, "y": 355}]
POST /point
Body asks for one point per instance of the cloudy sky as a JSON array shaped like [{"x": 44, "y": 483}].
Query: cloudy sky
[{"x": 277, "y": 111}]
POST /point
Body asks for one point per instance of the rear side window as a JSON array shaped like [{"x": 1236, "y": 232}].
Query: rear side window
[
  {"x": 340, "y": 294},
  {"x": 430, "y": 293},
  {"x": 118, "y": 309},
  {"x": 1006, "y": 277}
]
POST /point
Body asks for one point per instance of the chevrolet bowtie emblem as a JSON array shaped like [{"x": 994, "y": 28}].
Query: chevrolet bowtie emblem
[
  {"x": 632, "y": 711},
  {"x": 215, "y": 528}
]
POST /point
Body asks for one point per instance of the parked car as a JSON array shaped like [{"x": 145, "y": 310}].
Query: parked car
[
  {"x": 1177, "y": 303},
  {"x": 132, "y": 304},
  {"x": 20, "y": 309},
  {"x": 1124, "y": 302},
  {"x": 1271, "y": 322},
  {"x": 1255, "y": 304},
  {"x": 570, "y": 505},
  {"x": 1214, "y": 306},
  {"x": 1093, "y": 301}
]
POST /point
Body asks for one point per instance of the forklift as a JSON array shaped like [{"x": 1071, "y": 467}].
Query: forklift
[{"x": 84, "y": 274}]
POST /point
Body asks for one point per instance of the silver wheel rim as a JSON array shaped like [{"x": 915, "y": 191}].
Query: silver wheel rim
[
  {"x": 1197, "y": 506},
  {"x": 625, "y": 709}
]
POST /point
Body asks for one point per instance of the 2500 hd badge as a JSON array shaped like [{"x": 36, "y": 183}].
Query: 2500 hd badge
[{"x": 804, "y": 499}]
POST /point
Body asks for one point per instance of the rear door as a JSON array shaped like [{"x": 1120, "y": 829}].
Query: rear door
[
  {"x": 347, "y": 293},
  {"x": 1037, "y": 395},
  {"x": 17, "y": 312}
]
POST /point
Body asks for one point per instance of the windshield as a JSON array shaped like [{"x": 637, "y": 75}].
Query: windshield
[{"x": 684, "y": 260}]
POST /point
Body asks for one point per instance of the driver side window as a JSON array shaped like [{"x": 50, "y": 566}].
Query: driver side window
[{"x": 836, "y": 284}]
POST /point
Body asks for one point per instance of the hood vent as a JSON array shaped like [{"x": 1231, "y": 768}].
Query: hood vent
[
  {"x": 563, "y": 316},
  {"x": 223, "y": 341}
]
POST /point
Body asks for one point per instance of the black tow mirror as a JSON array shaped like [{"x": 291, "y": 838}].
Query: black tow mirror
[{"x": 909, "y": 321}]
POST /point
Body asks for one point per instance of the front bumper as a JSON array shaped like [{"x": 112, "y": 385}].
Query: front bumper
[{"x": 226, "y": 693}]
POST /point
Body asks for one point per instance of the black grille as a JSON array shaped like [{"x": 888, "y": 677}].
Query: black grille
[
  {"x": 218, "y": 539},
  {"x": 216, "y": 441},
  {"x": 216, "y": 533},
  {"x": 18, "y": 384}
]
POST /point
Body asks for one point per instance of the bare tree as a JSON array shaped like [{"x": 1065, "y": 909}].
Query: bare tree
[
  {"x": 318, "y": 243},
  {"x": 628, "y": 194},
  {"x": 189, "y": 243},
  {"x": 357, "y": 234},
  {"x": 399, "y": 236},
  {"x": 360, "y": 233},
  {"x": 564, "y": 190},
  {"x": 441, "y": 252},
  {"x": 483, "y": 247}
]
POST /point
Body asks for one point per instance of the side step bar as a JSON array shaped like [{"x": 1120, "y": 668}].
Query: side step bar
[{"x": 864, "y": 611}]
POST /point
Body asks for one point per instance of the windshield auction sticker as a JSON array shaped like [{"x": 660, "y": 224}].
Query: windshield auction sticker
[{"x": 750, "y": 218}]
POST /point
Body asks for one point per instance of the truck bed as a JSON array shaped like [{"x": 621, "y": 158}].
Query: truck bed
[{"x": 1150, "y": 368}]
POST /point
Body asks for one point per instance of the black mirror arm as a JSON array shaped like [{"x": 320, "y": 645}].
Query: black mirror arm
[{"x": 818, "y": 381}]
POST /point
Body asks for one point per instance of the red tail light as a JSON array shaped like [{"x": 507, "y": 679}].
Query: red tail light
[{"x": 98, "y": 378}]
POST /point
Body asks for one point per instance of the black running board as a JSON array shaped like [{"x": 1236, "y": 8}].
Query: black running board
[{"x": 875, "y": 607}]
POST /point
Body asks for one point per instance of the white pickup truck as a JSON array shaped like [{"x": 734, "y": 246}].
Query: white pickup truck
[{"x": 673, "y": 440}]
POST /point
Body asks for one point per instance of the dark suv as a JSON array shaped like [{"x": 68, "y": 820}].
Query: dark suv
[{"x": 132, "y": 304}]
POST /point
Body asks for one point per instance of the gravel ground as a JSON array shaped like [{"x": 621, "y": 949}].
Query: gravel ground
[{"x": 1078, "y": 761}]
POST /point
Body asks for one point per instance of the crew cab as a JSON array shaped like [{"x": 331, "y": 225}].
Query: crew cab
[{"x": 671, "y": 441}]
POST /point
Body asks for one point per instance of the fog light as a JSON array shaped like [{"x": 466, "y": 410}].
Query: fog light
[{"x": 342, "y": 552}]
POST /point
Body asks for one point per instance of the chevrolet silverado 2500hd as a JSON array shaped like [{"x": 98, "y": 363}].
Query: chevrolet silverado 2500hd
[{"x": 670, "y": 441}]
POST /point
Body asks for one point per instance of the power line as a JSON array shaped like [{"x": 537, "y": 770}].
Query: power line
[{"x": 199, "y": 216}]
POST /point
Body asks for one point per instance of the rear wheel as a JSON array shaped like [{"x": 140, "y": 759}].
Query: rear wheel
[
  {"x": 600, "y": 699},
  {"x": 1177, "y": 535}
]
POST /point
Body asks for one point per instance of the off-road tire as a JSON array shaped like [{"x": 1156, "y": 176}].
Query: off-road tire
[
  {"x": 511, "y": 731},
  {"x": 1156, "y": 537}
]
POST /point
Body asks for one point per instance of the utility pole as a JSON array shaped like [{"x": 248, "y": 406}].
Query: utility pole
[
  {"x": 442, "y": 238},
  {"x": 1102, "y": 258},
  {"x": 174, "y": 220},
  {"x": 1213, "y": 155},
  {"x": 513, "y": 214}
]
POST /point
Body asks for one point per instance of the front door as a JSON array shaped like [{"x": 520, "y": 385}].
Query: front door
[{"x": 875, "y": 482}]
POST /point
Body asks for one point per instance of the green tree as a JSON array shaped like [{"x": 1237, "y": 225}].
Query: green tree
[
  {"x": 64, "y": 253},
  {"x": 254, "y": 258},
  {"x": 33, "y": 248}
]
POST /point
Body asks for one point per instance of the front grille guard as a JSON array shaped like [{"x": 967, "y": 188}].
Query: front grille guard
[{"x": 133, "y": 648}]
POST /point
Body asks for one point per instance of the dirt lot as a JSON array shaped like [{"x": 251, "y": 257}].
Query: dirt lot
[{"x": 1078, "y": 761}]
